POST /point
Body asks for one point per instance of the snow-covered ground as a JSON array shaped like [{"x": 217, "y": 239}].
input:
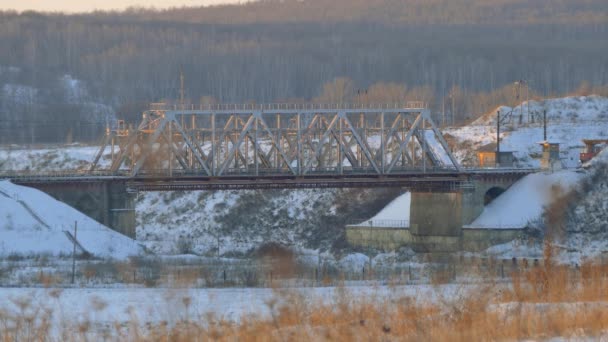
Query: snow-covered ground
[{"x": 33, "y": 222}]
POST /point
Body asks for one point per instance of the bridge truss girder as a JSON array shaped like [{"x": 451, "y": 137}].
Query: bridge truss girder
[{"x": 223, "y": 143}]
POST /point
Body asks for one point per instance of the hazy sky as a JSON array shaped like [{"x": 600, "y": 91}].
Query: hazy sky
[{"x": 90, "y": 5}]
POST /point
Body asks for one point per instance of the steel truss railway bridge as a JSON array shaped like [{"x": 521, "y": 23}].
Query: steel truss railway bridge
[{"x": 276, "y": 146}]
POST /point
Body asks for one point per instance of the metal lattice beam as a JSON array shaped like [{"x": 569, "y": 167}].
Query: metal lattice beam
[{"x": 268, "y": 140}]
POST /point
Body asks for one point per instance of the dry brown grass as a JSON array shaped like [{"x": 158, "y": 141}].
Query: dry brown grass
[{"x": 542, "y": 302}]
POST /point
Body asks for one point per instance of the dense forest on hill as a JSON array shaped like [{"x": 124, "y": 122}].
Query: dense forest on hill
[{"x": 461, "y": 56}]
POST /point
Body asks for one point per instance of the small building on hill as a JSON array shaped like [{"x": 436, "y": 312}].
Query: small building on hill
[
  {"x": 550, "y": 159},
  {"x": 592, "y": 148},
  {"x": 487, "y": 157}
]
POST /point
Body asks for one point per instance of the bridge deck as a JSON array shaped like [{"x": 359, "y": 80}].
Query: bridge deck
[{"x": 431, "y": 180}]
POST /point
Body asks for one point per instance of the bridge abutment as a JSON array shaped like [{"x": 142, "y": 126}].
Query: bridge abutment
[{"x": 108, "y": 203}]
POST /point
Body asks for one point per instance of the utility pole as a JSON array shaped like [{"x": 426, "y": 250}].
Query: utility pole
[
  {"x": 545, "y": 125},
  {"x": 181, "y": 89},
  {"x": 452, "y": 98},
  {"x": 443, "y": 111},
  {"x": 497, "y": 161},
  {"x": 74, "y": 251}
]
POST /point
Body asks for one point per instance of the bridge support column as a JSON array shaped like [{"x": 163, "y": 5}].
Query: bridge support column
[
  {"x": 472, "y": 204},
  {"x": 121, "y": 209},
  {"x": 436, "y": 221}
]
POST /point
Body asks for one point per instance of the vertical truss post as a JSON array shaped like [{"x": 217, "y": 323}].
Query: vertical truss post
[
  {"x": 424, "y": 147},
  {"x": 340, "y": 157},
  {"x": 299, "y": 142},
  {"x": 277, "y": 162},
  {"x": 170, "y": 148},
  {"x": 213, "y": 147},
  {"x": 255, "y": 146},
  {"x": 382, "y": 143}
]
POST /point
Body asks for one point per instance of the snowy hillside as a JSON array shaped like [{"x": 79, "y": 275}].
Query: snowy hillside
[
  {"x": 526, "y": 200},
  {"x": 575, "y": 219},
  {"x": 31, "y": 222},
  {"x": 237, "y": 222},
  {"x": 569, "y": 120},
  {"x": 72, "y": 157}
]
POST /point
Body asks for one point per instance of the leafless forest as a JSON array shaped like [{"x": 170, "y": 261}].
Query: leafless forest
[{"x": 460, "y": 56}]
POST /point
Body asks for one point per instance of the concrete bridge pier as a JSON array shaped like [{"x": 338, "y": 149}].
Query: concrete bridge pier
[
  {"x": 108, "y": 203},
  {"x": 436, "y": 221},
  {"x": 121, "y": 209}
]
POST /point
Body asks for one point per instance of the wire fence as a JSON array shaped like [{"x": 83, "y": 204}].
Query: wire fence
[{"x": 163, "y": 272}]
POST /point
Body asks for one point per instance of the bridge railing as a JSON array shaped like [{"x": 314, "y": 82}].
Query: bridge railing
[
  {"x": 289, "y": 106},
  {"x": 28, "y": 174},
  {"x": 382, "y": 224}
]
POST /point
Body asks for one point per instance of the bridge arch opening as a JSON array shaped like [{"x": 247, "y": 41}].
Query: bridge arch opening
[{"x": 492, "y": 194}]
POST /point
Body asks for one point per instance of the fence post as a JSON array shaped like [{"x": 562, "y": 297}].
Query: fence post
[{"x": 74, "y": 251}]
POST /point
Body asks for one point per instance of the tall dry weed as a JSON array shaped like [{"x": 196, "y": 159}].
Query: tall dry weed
[{"x": 542, "y": 301}]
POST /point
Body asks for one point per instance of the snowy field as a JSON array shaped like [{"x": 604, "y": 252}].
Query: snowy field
[{"x": 105, "y": 307}]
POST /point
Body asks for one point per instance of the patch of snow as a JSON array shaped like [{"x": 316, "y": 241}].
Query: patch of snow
[
  {"x": 74, "y": 89},
  {"x": 354, "y": 261},
  {"x": 436, "y": 148},
  {"x": 516, "y": 249},
  {"x": 19, "y": 93},
  {"x": 395, "y": 215},
  {"x": 600, "y": 158}
]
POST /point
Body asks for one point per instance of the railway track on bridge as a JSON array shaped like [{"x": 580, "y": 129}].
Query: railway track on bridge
[{"x": 432, "y": 179}]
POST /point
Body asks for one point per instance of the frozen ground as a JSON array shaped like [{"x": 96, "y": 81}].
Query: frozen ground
[{"x": 32, "y": 222}]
